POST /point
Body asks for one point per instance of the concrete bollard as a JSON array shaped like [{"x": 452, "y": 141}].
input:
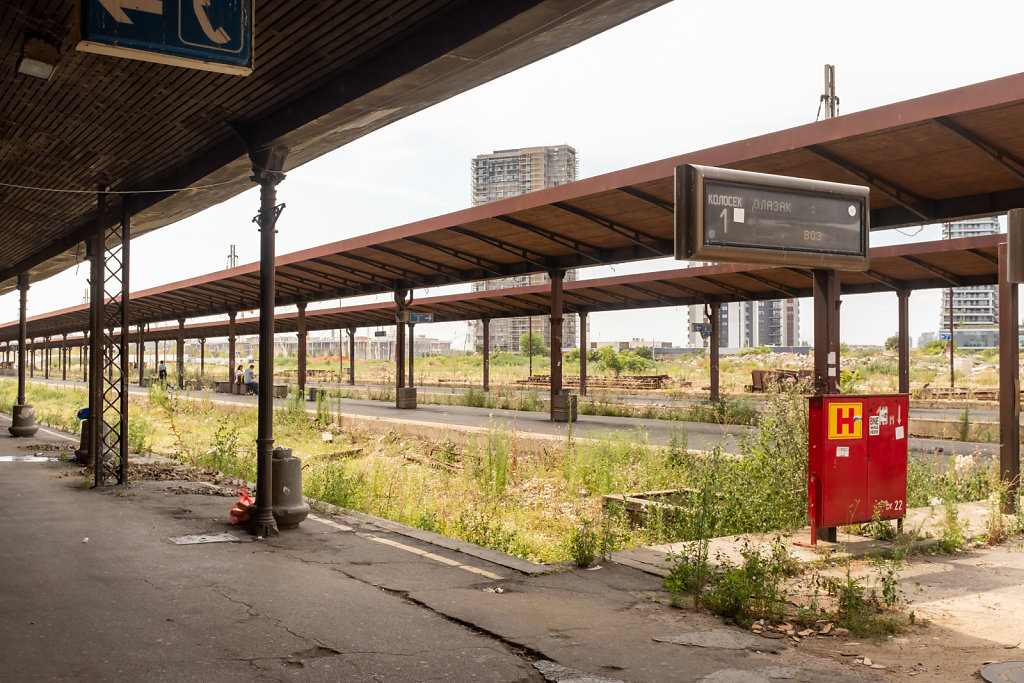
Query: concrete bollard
[
  {"x": 286, "y": 500},
  {"x": 23, "y": 421},
  {"x": 563, "y": 407},
  {"x": 406, "y": 398},
  {"x": 82, "y": 453}
]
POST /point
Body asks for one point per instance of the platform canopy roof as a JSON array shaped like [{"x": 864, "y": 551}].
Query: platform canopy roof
[
  {"x": 326, "y": 72},
  {"x": 967, "y": 261},
  {"x": 945, "y": 156}
]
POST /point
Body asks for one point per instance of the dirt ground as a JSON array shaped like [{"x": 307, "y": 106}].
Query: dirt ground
[{"x": 967, "y": 609}]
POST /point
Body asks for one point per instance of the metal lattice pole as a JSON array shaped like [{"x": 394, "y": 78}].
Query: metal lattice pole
[{"x": 109, "y": 417}]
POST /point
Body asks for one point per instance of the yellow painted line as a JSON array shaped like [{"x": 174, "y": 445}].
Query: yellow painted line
[
  {"x": 329, "y": 522},
  {"x": 432, "y": 556},
  {"x": 407, "y": 548}
]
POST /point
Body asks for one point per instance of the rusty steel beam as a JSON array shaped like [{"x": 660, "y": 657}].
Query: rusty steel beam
[
  {"x": 884, "y": 279},
  {"x": 482, "y": 263},
  {"x": 632, "y": 234},
  {"x": 531, "y": 257},
  {"x": 668, "y": 206},
  {"x": 334, "y": 267},
  {"x": 941, "y": 273},
  {"x": 916, "y": 204},
  {"x": 440, "y": 269},
  {"x": 579, "y": 247},
  {"x": 980, "y": 254},
  {"x": 743, "y": 294},
  {"x": 685, "y": 290},
  {"x": 407, "y": 275},
  {"x": 653, "y": 295},
  {"x": 774, "y": 285},
  {"x": 1010, "y": 162}
]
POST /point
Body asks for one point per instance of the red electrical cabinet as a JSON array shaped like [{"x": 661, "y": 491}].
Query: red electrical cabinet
[{"x": 857, "y": 450}]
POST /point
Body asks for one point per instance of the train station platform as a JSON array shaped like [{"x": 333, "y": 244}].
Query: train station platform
[{"x": 113, "y": 585}]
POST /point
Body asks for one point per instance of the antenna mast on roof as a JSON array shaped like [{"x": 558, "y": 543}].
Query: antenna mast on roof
[
  {"x": 829, "y": 98},
  {"x": 232, "y": 257}
]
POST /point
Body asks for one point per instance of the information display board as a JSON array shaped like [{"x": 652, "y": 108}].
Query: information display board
[{"x": 743, "y": 217}]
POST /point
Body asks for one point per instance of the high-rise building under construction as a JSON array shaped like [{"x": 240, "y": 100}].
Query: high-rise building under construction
[{"x": 506, "y": 173}]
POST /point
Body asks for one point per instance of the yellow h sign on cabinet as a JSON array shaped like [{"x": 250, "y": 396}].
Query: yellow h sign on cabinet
[{"x": 845, "y": 420}]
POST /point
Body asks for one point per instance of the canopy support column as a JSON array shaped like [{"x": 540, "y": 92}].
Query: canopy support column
[
  {"x": 903, "y": 341},
  {"x": 140, "y": 350},
  {"x": 267, "y": 171},
  {"x": 826, "y": 331},
  {"x": 231, "y": 346},
  {"x": 405, "y": 395},
  {"x": 23, "y": 419},
  {"x": 559, "y": 410},
  {"x": 64, "y": 357},
  {"x": 1009, "y": 379},
  {"x": 486, "y": 322},
  {"x": 713, "y": 312},
  {"x": 412, "y": 355},
  {"x": 583, "y": 352},
  {"x": 108, "y": 357},
  {"x": 180, "y": 348},
  {"x": 301, "y": 334},
  {"x": 202, "y": 358},
  {"x": 351, "y": 355}
]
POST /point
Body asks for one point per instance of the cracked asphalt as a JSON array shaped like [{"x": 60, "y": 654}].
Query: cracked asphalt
[{"x": 93, "y": 589}]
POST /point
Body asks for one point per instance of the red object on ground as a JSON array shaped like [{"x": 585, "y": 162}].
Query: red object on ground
[{"x": 240, "y": 513}]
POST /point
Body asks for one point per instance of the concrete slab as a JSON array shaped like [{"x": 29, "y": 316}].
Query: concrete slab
[{"x": 94, "y": 589}]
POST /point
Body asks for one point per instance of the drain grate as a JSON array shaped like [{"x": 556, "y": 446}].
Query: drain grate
[{"x": 1012, "y": 672}]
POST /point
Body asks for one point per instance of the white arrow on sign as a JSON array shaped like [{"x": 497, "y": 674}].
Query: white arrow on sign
[{"x": 117, "y": 8}]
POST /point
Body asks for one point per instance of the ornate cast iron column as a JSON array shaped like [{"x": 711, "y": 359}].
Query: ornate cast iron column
[
  {"x": 23, "y": 421},
  {"x": 267, "y": 171}
]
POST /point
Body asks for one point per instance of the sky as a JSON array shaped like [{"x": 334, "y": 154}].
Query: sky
[{"x": 680, "y": 78}]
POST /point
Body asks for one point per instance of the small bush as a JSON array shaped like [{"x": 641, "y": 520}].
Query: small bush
[
  {"x": 582, "y": 544},
  {"x": 140, "y": 434}
]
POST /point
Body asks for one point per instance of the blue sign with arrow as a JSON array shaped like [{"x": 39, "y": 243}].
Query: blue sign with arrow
[{"x": 212, "y": 35}]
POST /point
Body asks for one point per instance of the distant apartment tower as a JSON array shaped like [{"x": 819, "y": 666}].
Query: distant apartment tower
[
  {"x": 743, "y": 324},
  {"x": 975, "y": 309},
  {"x": 508, "y": 173}
]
